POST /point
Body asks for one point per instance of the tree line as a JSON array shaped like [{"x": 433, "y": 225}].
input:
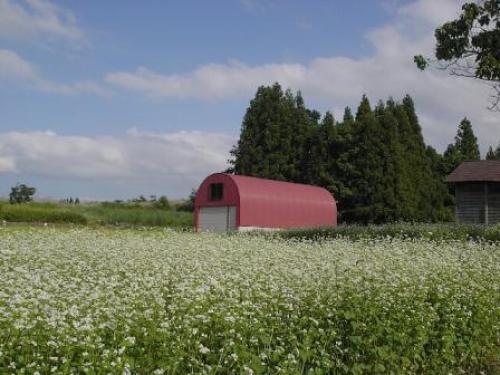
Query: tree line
[{"x": 375, "y": 161}]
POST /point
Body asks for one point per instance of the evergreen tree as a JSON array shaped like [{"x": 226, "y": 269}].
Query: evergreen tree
[
  {"x": 319, "y": 167},
  {"x": 407, "y": 192},
  {"x": 264, "y": 147},
  {"x": 493, "y": 154},
  {"x": 465, "y": 147},
  {"x": 365, "y": 157},
  {"x": 392, "y": 155},
  {"x": 466, "y": 141},
  {"x": 303, "y": 129},
  {"x": 341, "y": 167},
  {"x": 420, "y": 172},
  {"x": 451, "y": 158},
  {"x": 441, "y": 194},
  {"x": 275, "y": 139}
]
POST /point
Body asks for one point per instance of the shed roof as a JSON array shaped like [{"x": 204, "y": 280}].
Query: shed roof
[{"x": 480, "y": 170}]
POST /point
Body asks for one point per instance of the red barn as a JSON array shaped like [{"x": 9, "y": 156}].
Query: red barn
[{"x": 226, "y": 202}]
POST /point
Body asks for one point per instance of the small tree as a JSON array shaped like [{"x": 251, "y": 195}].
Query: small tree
[
  {"x": 493, "y": 154},
  {"x": 465, "y": 147},
  {"x": 469, "y": 46},
  {"x": 162, "y": 203},
  {"x": 21, "y": 193},
  {"x": 188, "y": 204}
]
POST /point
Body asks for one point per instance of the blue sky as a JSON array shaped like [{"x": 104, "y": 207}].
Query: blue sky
[
  {"x": 176, "y": 37},
  {"x": 114, "y": 99}
]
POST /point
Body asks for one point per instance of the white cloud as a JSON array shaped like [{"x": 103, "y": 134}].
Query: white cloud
[
  {"x": 210, "y": 81},
  {"x": 430, "y": 12},
  {"x": 135, "y": 155},
  {"x": 338, "y": 81},
  {"x": 13, "y": 68},
  {"x": 33, "y": 18},
  {"x": 7, "y": 164}
]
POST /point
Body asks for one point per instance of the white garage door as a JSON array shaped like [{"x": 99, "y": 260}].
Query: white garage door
[{"x": 217, "y": 219}]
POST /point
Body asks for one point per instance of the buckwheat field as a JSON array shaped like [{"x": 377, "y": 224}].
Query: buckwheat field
[{"x": 76, "y": 301}]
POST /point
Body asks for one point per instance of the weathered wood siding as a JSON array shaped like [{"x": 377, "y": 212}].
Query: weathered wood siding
[
  {"x": 493, "y": 202},
  {"x": 478, "y": 202},
  {"x": 470, "y": 202}
]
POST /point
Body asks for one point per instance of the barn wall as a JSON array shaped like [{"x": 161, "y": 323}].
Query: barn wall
[
  {"x": 470, "y": 207},
  {"x": 493, "y": 202},
  {"x": 230, "y": 197}
]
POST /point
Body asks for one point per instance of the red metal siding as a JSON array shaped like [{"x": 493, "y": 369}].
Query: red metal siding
[{"x": 270, "y": 204}]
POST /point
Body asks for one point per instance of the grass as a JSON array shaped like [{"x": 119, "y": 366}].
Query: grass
[
  {"x": 95, "y": 214},
  {"x": 39, "y": 213},
  {"x": 137, "y": 216},
  {"x": 151, "y": 301}
]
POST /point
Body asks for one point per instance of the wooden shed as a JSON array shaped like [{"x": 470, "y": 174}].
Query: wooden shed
[
  {"x": 226, "y": 202},
  {"x": 477, "y": 191}
]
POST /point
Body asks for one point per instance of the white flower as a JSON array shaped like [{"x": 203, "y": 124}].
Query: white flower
[{"x": 203, "y": 349}]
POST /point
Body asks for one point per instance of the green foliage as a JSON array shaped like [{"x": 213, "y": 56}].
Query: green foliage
[
  {"x": 188, "y": 204},
  {"x": 465, "y": 147},
  {"x": 138, "y": 216},
  {"x": 274, "y": 136},
  {"x": 421, "y": 62},
  {"x": 21, "y": 193},
  {"x": 30, "y": 213},
  {"x": 162, "y": 203},
  {"x": 493, "y": 154},
  {"x": 470, "y": 45},
  {"x": 105, "y": 213},
  {"x": 466, "y": 141},
  {"x": 405, "y": 231},
  {"x": 366, "y": 160}
]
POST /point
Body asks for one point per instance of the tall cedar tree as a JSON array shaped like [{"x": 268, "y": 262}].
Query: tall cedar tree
[
  {"x": 465, "y": 147},
  {"x": 442, "y": 195},
  {"x": 275, "y": 134},
  {"x": 421, "y": 175},
  {"x": 265, "y": 145},
  {"x": 341, "y": 167},
  {"x": 366, "y": 159},
  {"x": 392, "y": 160},
  {"x": 321, "y": 139}
]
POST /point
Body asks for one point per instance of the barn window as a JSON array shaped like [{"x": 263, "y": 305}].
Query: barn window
[{"x": 216, "y": 192}]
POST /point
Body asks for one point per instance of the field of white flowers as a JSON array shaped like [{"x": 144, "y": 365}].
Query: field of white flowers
[{"x": 162, "y": 302}]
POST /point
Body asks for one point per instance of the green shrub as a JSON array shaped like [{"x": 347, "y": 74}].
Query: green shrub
[
  {"x": 137, "y": 216},
  {"x": 399, "y": 230}
]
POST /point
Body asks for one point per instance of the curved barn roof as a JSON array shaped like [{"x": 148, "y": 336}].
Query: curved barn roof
[{"x": 253, "y": 188}]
